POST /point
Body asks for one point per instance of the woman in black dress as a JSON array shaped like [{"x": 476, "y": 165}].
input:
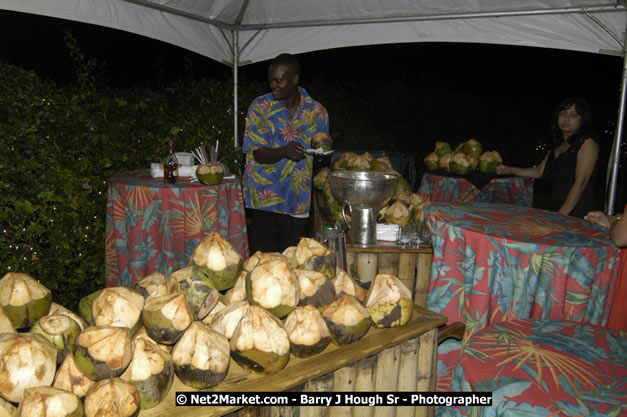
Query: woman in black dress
[{"x": 572, "y": 163}]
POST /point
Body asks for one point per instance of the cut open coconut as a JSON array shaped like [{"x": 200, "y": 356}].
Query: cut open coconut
[
  {"x": 50, "y": 402},
  {"x": 24, "y": 299},
  {"x": 166, "y": 317},
  {"x": 118, "y": 306},
  {"x": 70, "y": 378},
  {"x": 201, "y": 296},
  {"x": 61, "y": 330},
  {"x": 389, "y": 301},
  {"x": 347, "y": 320},
  {"x": 315, "y": 256},
  {"x": 307, "y": 331},
  {"x": 315, "y": 288},
  {"x": 273, "y": 286},
  {"x": 112, "y": 397},
  {"x": 217, "y": 261},
  {"x": 103, "y": 351}
]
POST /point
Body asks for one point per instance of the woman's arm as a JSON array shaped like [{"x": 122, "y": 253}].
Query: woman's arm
[
  {"x": 586, "y": 160},
  {"x": 531, "y": 172}
]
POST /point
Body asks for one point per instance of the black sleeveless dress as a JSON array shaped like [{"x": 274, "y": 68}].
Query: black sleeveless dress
[{"x": 561, "y": 172}]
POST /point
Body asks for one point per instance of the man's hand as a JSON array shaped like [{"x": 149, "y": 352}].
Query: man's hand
[{"x": 294, "y": 151}]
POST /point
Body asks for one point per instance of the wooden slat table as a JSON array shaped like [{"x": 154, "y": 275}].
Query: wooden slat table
[
  {"x": 396, "y": 359},
  {"x": 410, "y": 265}
]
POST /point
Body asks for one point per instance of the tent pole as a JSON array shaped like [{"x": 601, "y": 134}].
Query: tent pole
[
  {"x": 235, "y": 85},
  {"x": 618, "y": 134}
]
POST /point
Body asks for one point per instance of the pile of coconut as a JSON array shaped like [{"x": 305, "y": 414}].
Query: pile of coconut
[
  {"x": 404, "y": 207},
  {"x": 467, "y": 156},
  {"x": 120, "y": 353}
]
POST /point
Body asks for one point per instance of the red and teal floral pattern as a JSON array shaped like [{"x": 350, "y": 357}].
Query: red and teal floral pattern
[
  {"x": 509, "y": 190},
  {"x": 544, "y": 367},
  {"x": 497, "y": 262},
  {"x": 152, "y": 226}
]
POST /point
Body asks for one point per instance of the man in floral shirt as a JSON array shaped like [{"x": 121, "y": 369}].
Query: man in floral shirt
[{"x": 277, "y": 180}]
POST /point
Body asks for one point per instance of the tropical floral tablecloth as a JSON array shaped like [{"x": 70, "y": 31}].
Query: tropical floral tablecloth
[
  {"x": 544, "y": 367},
  {"x": 508, "y": 190},
  {"x": 153, "y": 226},
  {"x": 496, "y": 262}
]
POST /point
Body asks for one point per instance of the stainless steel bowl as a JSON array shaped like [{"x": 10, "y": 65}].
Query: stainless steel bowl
[{"x": 363, "y": 188}]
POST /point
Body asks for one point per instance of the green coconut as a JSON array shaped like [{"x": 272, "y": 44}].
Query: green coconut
[
  {"x": 112, "y": 397},
  {"x": 381, "y": 164},
  {"x": 259, "y": 342},
  {"x": 84, "y": 306},
  {"x": 201, "y": 357},
  {"x": 167, "y": 317},
  {"x": 359, "y": 162},
  {"x": 152, "y": 285},
  {"x": 220, "y": 305},
  {"x": 307, "y": 331},
  {"x": 389, "y": 302},
  {"x": 347, "y": 319},
  {"x": 314, "y": 256},
  {"x": 474, "y": 161},
  {"x": 6, "y": 326},
  {"x": 432, "y": 161},
  {"x": 26, "y": 360},
  {"x": 24, "y": 299},
  {"x": 460, "y": 164},
  {"x": 71, "y": 379},
  {"x": 397, "y": 213},
  {"x": 118, "y": 306},
  {"x": 50, "y": 402},
  {"x": 103, "y": 351},
  {"x": 345, "y": 284},
  {"x": 201, "y": 296},
  {"x": 472, "y": 147},
  {"x": 217, "y": 262},
  {"x": 227, "y": 319},
  {"x": 316, "y": 288},
  {"x": 61, "y": 330},
  {"x": 151, "y": 370},
  {"x": 445, "y": 161},
  {"x": 321, "y": 178},
  {"x": 210, "y": 174},
  {"x": 442, "y": 148},
  {"x": 273, "y": 286},
  {"x": 322, "y": 140},
  {"x": 489, "y": 160}
]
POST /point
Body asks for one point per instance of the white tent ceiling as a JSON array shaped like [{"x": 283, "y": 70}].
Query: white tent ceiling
[{"x": 238, "y": 32}]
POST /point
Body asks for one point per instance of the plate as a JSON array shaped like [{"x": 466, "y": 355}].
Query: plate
[{"x": 318, "y": 151}]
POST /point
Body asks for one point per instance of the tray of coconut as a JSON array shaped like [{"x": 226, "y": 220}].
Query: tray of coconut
[{"x": 271, "y": 323}]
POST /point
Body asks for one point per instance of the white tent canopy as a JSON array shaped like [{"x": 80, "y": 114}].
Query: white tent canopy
[{"x": 238, "y": 32}]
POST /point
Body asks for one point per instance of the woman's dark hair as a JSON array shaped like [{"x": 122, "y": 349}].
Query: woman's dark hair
[{"x": 582, "y": 108}]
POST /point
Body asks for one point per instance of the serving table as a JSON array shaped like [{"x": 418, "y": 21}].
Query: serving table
[
  {"x": 384, "y": 360},
  {"x": 412, "y": 265},
  {"x": 497, "y": 262},
  {"x": 441, "y": 186},
  {"x": 154, "y": 226}
]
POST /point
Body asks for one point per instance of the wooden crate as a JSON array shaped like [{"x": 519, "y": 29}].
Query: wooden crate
[
  {"x": 410, "y": 265},
  {"x": 396, "y": 359}
]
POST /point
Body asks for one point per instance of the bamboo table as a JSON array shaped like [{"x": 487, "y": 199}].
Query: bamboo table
[
  {"x": 396, "y": 359},
  {"x": 410, "y": 265}
]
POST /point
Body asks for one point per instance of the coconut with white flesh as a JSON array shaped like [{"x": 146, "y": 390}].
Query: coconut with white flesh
[
  {"x": 432, "y": 161},
  {"x": 315, "y": 288},
  {"x": 201, "y": 296},
  {"x": 442, "y": 148},
  {"x": 151, "y": 370},
  {"x": 61, "y": 330},
  {"x": 112, "y": 397},
  {"x": 315, "y": 256},
  {"x": 347, "y": 320},
  {"x": 217, "y": 261},
  {"x": 322, "y": 140},
  {"x": 389, "y": 301},
  {"x": 290, "y": 253},
  {"x": 238, "y": 291},
  {"x": 229, "y": 317},
  {"x": 345, "y": 284},
  {"x": 152, "y": 285},
  {"x": 360, "y": 162},
  {"x": 70, "y": 378},
  {"x": 259, "y": 257},
  {"x": 221, "y": 304},
  {"x": 167, "y": 317},
  {"x": 5, "y": 323},
  {"x": 460, "y": 164},
  {"x": 210, "y": 174},
  {"x": 59, "y": 309},
  {"x": 143, "y": 334},
  {"x": 84, "y": 307},
  {"x": 6, "y": 408},
  {"x": 397, "y": 213},
  {"x": 103, "y": 351},
  {"x": 118, "y": 306},
  {"x": 26, "y": 360},
  {"x": 201, "y": 357},
  {"x": 24, "y": 299},
  {"x": 273, "y": 286},
  {"x": 472, "y": 147},
  {"x": 307, "y": 331},
  {"x": 50, "y": 402},
  {"x": 260, "y": 343},
  {"x": 489, "y": 160}
]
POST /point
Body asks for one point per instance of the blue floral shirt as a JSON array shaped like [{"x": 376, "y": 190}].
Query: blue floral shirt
[{"x": 285, "y": 186}]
